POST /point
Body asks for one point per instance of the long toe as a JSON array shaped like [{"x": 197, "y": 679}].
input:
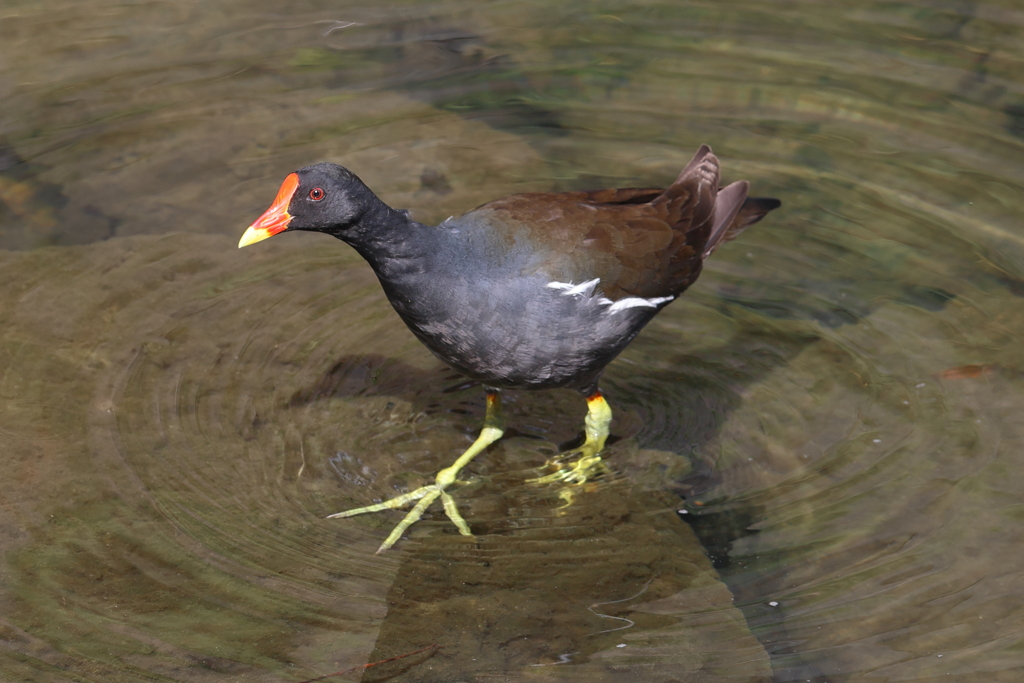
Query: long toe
[{"x": 392, "y": 504}]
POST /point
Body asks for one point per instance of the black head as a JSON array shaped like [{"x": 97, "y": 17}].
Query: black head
[{"x": 323, "y": 198}]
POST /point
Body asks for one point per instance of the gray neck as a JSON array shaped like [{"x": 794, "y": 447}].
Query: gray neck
[{"x": 391, "y": 243}]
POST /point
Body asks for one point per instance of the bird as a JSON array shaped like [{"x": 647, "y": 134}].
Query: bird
[{"x": 533, "y": 291}]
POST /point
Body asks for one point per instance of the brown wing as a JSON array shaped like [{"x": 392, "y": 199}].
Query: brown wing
[{"x": 644, "y": 242}]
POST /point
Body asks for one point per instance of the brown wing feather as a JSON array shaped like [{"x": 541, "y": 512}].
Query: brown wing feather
[{"x": 617, "y": 196}]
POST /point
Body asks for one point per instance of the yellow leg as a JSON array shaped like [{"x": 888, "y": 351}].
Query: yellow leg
[
  {"x": 599, "y": 417},
  {"x": 492, "y": 431}
]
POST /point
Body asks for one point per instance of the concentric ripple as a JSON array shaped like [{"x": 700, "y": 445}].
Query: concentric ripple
[{"x": 241, "y": 397}]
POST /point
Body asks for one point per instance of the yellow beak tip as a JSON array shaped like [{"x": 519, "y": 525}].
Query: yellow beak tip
[{"x": 251, "y": 236}]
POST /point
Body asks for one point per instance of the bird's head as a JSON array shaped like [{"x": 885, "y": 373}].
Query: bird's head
[{"x": 322, "y": 198}]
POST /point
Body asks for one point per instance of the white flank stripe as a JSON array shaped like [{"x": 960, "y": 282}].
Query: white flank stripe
[
  {"x": 587, "y": 289},
  {"x": 569, "y": 289},
  {"x": 635, "y": 301}
]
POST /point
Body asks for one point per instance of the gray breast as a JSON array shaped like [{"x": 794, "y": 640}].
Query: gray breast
[{"x": 529, "y": 331}]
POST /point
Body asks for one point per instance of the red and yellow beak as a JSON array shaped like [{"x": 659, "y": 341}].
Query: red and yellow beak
[{"x": 276, "y": 218}]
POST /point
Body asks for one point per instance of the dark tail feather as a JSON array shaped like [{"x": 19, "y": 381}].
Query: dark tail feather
[
  {"x": 698, "y": 157},
  {"x": 728, "y": 204},
  {"x": 742, "y": 217}
]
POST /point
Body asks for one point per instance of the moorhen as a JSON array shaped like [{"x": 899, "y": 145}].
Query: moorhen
[{"x": 533, "y": 291}]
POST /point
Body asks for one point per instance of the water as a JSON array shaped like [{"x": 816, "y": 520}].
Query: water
[{"x": 833, "y": 406}]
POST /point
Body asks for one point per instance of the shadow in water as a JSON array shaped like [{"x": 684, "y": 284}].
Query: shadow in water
[{"x": 543, "y": 557}]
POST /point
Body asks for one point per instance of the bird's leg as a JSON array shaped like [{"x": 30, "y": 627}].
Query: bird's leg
[
  {"x": 494, "y": 427},
  {"x": 599, "y": 417}
]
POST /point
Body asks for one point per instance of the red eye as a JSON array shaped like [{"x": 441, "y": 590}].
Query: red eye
[{"x": 316, "y": 194}]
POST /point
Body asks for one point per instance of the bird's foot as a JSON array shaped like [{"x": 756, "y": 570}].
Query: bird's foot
[
  {"x": 589, "y": 464},
  {"x": 428, "y": 494},
  {"x": 425, "y": 495},
  {"x": 586, "y": 467}
]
